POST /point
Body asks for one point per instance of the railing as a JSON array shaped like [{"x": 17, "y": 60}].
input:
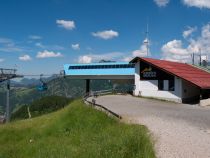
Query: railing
[
  {"x": 102, "y": 92},
  {"x": 202, "y": 68},
  {"x": 93, "y": 103}
]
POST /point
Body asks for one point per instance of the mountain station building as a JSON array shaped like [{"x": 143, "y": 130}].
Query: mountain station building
[{"x": 152, "y": 78}]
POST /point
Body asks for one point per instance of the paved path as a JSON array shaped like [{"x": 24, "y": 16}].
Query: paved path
[{"x": 180, "y": 130}]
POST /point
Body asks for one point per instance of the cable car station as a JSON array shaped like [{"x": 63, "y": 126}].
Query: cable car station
[{"x": 173, "y": 81}]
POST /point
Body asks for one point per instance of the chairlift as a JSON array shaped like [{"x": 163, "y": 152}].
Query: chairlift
[{"x": 43, "y": 85}]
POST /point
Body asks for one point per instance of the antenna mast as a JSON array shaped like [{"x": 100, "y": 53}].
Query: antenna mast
[
  {"x": 146, "y": 41},
  {"x": 200, "y": 57}
]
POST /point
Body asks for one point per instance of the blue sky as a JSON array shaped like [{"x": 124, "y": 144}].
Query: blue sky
[{"x": 40, "y": 36}]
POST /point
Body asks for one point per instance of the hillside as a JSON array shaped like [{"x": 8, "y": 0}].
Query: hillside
[
  {"x": 39, "y": 107},
  {"x": 59, "y": 86},
  {"x": 77, "y": 131}
]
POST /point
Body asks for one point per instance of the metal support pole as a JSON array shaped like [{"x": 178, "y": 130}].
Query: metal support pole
[
  {"x": 87, "y": 85},
  {"x": 193, "y": 59},
  {"x": 8, "y": 106},
  {"x": 200, "y": 57}
]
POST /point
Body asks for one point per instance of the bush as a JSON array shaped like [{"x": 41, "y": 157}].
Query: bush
[
  {"x": 48, "y": 104},
  {"x": 41, "y": 106},
  {"x": 20, "y": 113}
]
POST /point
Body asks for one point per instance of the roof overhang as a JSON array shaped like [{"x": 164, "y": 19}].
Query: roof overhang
[{"x": 136, "y": 59}]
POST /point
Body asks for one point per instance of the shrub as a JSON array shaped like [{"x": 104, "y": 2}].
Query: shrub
[
  {"x": 20, "y": 113},
  {"x": 41, "y": 106}
]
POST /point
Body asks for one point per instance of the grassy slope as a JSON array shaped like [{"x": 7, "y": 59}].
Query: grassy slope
[{"x": 75, "y": 131}]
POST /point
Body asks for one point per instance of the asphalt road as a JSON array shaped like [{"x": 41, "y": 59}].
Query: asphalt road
[{"x": 181, "y": 130}]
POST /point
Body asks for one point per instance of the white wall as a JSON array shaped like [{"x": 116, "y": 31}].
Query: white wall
[
  {"x": 137, "y": 79},
  {"x": 149, "y": 88},
  {"x": 148, "y": 85}
]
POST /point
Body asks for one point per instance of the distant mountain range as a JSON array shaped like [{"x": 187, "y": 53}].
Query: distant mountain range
[
  {"x": 25, "y": 82},
  {"x": 30, "y": 82}
]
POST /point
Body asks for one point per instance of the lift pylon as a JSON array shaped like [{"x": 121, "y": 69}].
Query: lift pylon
[{"x": 6, "y": 75}]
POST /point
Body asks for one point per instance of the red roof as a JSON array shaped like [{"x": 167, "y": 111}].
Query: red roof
[{"x": 187, "y": 72}]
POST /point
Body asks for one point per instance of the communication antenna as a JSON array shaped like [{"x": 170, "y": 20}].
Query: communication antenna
[
  {"x": 193, "y": 58},
  {"x": 200, "y": 57},
  {"x": 146, "y": 41}
]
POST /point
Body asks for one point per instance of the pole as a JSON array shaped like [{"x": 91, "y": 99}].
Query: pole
[
  {"x": 8, "y": 106},
  {"x": 147, "y": 37},
  {"x": 200, "y": 57},
  {"x": 193, "y": 58},
  {"x": 87, "y": 85},
  {"x": 146, "y": 41}
]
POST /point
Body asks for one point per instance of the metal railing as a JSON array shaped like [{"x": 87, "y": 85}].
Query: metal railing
[
  {"x": 102, "y": 92},
  {"x": 207, "y": 69},
  {"x": 93, "y": 103}
]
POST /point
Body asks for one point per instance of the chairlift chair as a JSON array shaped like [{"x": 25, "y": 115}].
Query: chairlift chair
[{"x": 43, "y": 85}]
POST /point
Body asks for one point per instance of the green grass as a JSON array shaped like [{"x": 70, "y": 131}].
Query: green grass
[{"x": 77, "y": 131}]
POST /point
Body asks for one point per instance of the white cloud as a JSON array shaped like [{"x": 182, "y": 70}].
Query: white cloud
[
  {"x": 25, "y": 58},
  {"x": 85, "y": 59},
  {"x": 54, "y": 47},
  {"x": 174, "y": 47},
  {"x": 197, "y": 3},
  {"x": 202, "y": 42},
  {"x": 1, "y": 60},
  {"x": 75, "y": 46},
  {"x": 161, "y": 3},
  {"x": 189, "y": 31},
  {"x": 67, "y": 24},
  {"x": 8, "y": 45},
  {"x": 48, "y": 54},
  {"x": 174, "y": 50},
  {"x": 11, "y": 49},
  {"x": 127, "y": 59},
  {"x": 5, "y": 40},
  {"x": 141, "y": 52},
  {"x": 106, "y": 34},
  {"x": 35, "y": 37},
  {"x": 113, "y": 56},
  {"x": 39, "y": 44}
]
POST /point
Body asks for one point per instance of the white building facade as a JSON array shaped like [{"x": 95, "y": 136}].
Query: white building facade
[
  {"x": 153, "y": 82},
  {"x": 152, "y": 78}
]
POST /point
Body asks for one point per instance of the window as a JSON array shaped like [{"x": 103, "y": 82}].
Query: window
[
  {"x": 117, "y": 66},
  {"x": 171, "y": 85},
  {"x": 109, "y": 66},
  {"x": 160, "y": 84}
]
